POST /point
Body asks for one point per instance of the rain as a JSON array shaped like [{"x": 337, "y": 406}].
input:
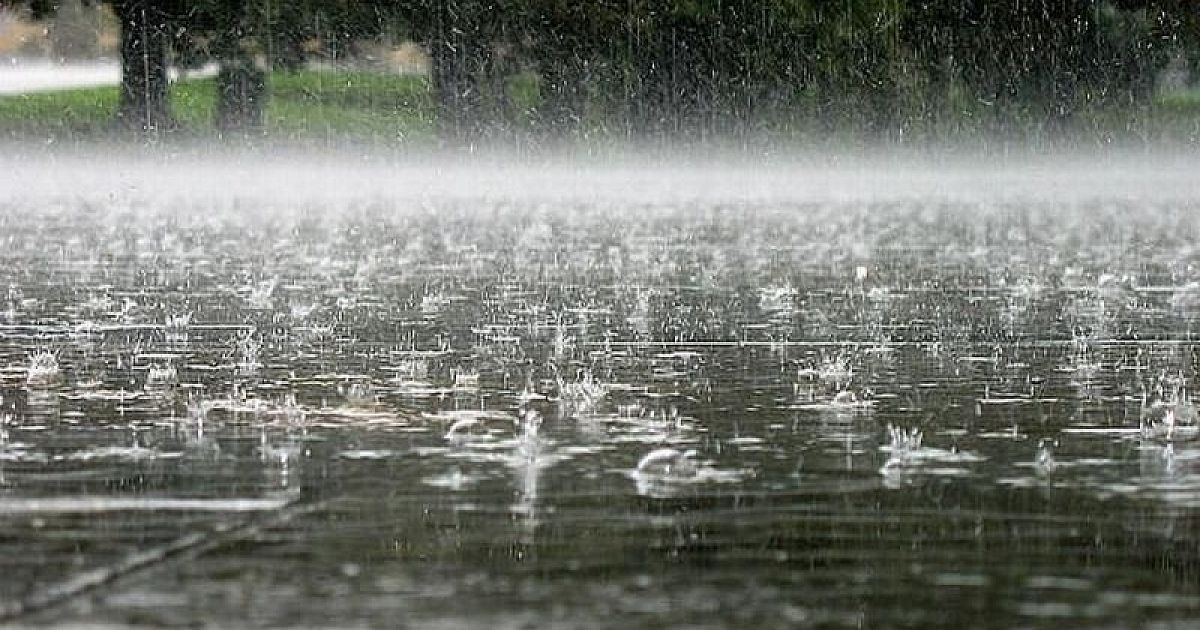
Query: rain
[{"x": 583, "y": 315}]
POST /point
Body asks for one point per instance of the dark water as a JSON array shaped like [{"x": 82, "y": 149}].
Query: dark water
[{"x": 900, "y": 412}]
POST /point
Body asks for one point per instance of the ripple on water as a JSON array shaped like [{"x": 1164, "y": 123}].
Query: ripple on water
[
  {"x": 454, "y": 480},
  {"x": 129, "y": 453},
  {"x": 389, "y": 356},
  {"x": 668, "y": 472},
  {"x": 367, "y": 454}
]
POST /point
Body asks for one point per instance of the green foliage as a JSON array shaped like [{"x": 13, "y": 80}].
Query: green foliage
[{"x": 883, "y": 69}]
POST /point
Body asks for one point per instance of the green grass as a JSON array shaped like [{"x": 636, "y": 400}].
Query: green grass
[
  {"x": 1180, "y": 99},
  {"x": 350, "y": 104},
  {"x": 83, "y": 111},
  {"x": 307, "y": 105},
  {"x": 331, "y": 107}
]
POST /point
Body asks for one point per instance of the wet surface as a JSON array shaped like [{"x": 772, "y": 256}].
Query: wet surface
[{"x": 477, "y": 412}]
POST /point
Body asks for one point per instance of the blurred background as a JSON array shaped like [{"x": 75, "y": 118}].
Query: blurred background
[{"x": 1075, "y": 72}]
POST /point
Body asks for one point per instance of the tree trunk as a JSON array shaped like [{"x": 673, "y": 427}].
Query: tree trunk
[
  {"x": 456, "y": 55},
  {"x": 456, "y": 90},
  {"x": 287, "y": 44},
  {"x": 563, "y": 95},
  {"x": 241, "y": 83},
  {"x": 145, "y": 38},
  {"x": 241, "y": 90}
]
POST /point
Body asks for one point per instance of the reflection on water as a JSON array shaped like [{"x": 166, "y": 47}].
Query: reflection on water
[{"x": 476, "y": 413}]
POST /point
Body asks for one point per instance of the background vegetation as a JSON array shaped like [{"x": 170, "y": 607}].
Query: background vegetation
[{"x": 879, "y": 70}]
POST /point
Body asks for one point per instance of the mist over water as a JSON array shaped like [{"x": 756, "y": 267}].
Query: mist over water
[
  {"x": 265, "y": 389},
  {"x": 285, "y": 178}
]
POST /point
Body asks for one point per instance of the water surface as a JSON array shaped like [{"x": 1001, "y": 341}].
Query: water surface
[{"x": 444, "y": 396}]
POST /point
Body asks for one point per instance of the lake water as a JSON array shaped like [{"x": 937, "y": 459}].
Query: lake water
[{"x": 269, "y": 394}]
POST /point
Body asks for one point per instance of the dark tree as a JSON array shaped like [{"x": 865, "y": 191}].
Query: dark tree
[
  {"x": 460, "y": 57},
  {"x": 145, "y": 53},
  {"x": 146, "y": 40},
  {"x": 238, "y": 31}
]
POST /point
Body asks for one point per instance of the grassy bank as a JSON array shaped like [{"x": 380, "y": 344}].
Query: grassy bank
[
  {"x": 337, "y": 107},
  {"x": 307, "y": 105}
]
